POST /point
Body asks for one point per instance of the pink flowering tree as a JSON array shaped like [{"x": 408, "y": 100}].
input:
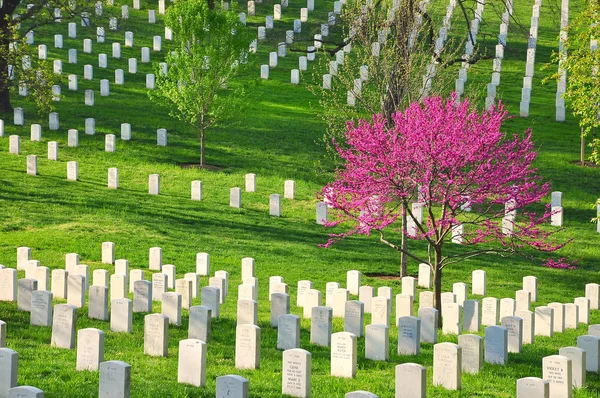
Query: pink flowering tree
[{"x": 454, "y": 175}]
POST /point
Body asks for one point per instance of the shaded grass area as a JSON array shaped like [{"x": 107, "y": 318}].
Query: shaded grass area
[{"x": 276, "y": 137}]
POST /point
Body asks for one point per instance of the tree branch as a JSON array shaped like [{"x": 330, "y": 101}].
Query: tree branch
[{"x": 398, "y": 248}]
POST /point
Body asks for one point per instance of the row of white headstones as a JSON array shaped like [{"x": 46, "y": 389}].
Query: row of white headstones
[
  {"x": 448, "y": 362},
  {"x": 235, "y": 200},
  {"x": 110, "y": 145},
  {"x": 36, "y": 129},
  {"x": 556, "y": 218},
  {"x": 439, "y": 45},
  {"x": 88, "y": 69},
  {"x": 356, "y": 90},
  {"x": 289, "y": 36},
  {"x": 530, "y": 62}
]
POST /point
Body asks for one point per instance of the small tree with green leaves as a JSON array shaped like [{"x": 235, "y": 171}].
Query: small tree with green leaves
[
  {"x": 580, "y": 59},
  {"x": 211, "y": 48}
]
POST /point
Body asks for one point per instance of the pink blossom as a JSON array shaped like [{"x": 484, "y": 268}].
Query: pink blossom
[
  {"x": 450, "y": 158},
  {"x": 561, "y": 263}
]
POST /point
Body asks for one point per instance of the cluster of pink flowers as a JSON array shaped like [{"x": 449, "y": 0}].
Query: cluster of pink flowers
[
  {"x": 455, "y": 161},
  {"x": 561, "y": 263}
]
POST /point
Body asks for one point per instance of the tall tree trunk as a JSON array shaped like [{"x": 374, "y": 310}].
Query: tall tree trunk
[
  {"x": 582, "y": 155},
  {"x": 404, "y": 245},
  {"x": 437, "y": 285},
  {"x": 398, "y": 85},
  {"x": 5, "y": 106},
  {"x": 202, "y": 147}
]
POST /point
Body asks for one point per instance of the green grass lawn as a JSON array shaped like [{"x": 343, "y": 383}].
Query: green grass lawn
[{"x": 277, "y": 137}]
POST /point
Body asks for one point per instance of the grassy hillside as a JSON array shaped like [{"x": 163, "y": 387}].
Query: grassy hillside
[{"x": 276, "y": 137}]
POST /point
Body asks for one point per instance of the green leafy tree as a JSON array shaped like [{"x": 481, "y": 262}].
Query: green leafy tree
[
  {"x": 211, "y": 50},
  {"x": 580, "y": 60}
]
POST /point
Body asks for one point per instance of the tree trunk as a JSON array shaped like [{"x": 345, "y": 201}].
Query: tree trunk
[
  {"x": 404, "y": 245},
  {"x": 582, "y": 155},
  {"x": 5, "y": 106},
  {"x": 202, "y": 147},
  {"x": 437, "y": 285}
]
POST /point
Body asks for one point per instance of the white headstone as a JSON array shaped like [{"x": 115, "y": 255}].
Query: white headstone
[
  {"x": 132, "y": 64},
  {"x": 232, "y": 386},
  {"x": 288, "y": 332},
  {"x": 471, "y": 316},
  {"x": 410, "y": 379},
  {"x": 247, "y": 347},
  {"x": 377, "y": 342},
  {"x": 424, "y": 279},
  {"x": 247, "y": 312},
  {"x": 409, "y": 335},
  {"x": 275, "y": 205},
  {"x": 365, "y": 295},
  {"x": 9, "y": 364},
  {"x": 340, "y": 296},
  {"x": 25, "y": 392},
  {"x": 557, "y": 370},
  {"x": 76, "y": 289},
  {"x": 200, "y": 323},
  {"x": 478, "y": 283},
  {"x": 211, "y": 299},
  {"x": 447, "y": 366},
  {"x": 354, "y": 317},
  {"x": 591, "y": 345},
  {"x": 59, "y": 283},
  {"x": 98, "y": 303},
  {"x": 312, "y": 298},
  {"x": 296, "y": 373},
  {"x": 41, "y": 308},
  {"x": 64, "y": 322},
  {"x": 90, "y": 349},
  {"x": 353, "y": 281},
  {"x": 343, "y": 354},
  {"x": 32, "y": 165},
  {"x": 530, "y": 284},
  {"x": 154, "y": 184},
  {"x": 544, "y": 321},
  {"x": 322, "y": 213},
  {"x": 528, "y": 387},
  {"x": 571, "y": 316},
  {"x": 583, "y": 304},
  {"x": 330, "y": 287},
  {"x": 496, "y": 345},
  {"x": 460, "y": 291},
  {"x": 161, "y": 137},
  {"x": 121, "y": 315},
  {"x": 321, "y": 323},
  {"x": 429, "y": 324},
  {"x": 191, "y": 366},
  {"x": 578, "y": 364},
  {"x": 592, "y": 293},
  {"x": 404, "y": 306},
  {"x": 303, "y": 287},
  {"x": 115, "y": 379},
  {"x": 156, "y": 335},
  {"x": 472, "y": 352},
  {"x": 451, "y": 318},
  {"x": 507, "y": 307},
  {"x": 235, "y": 198}
]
